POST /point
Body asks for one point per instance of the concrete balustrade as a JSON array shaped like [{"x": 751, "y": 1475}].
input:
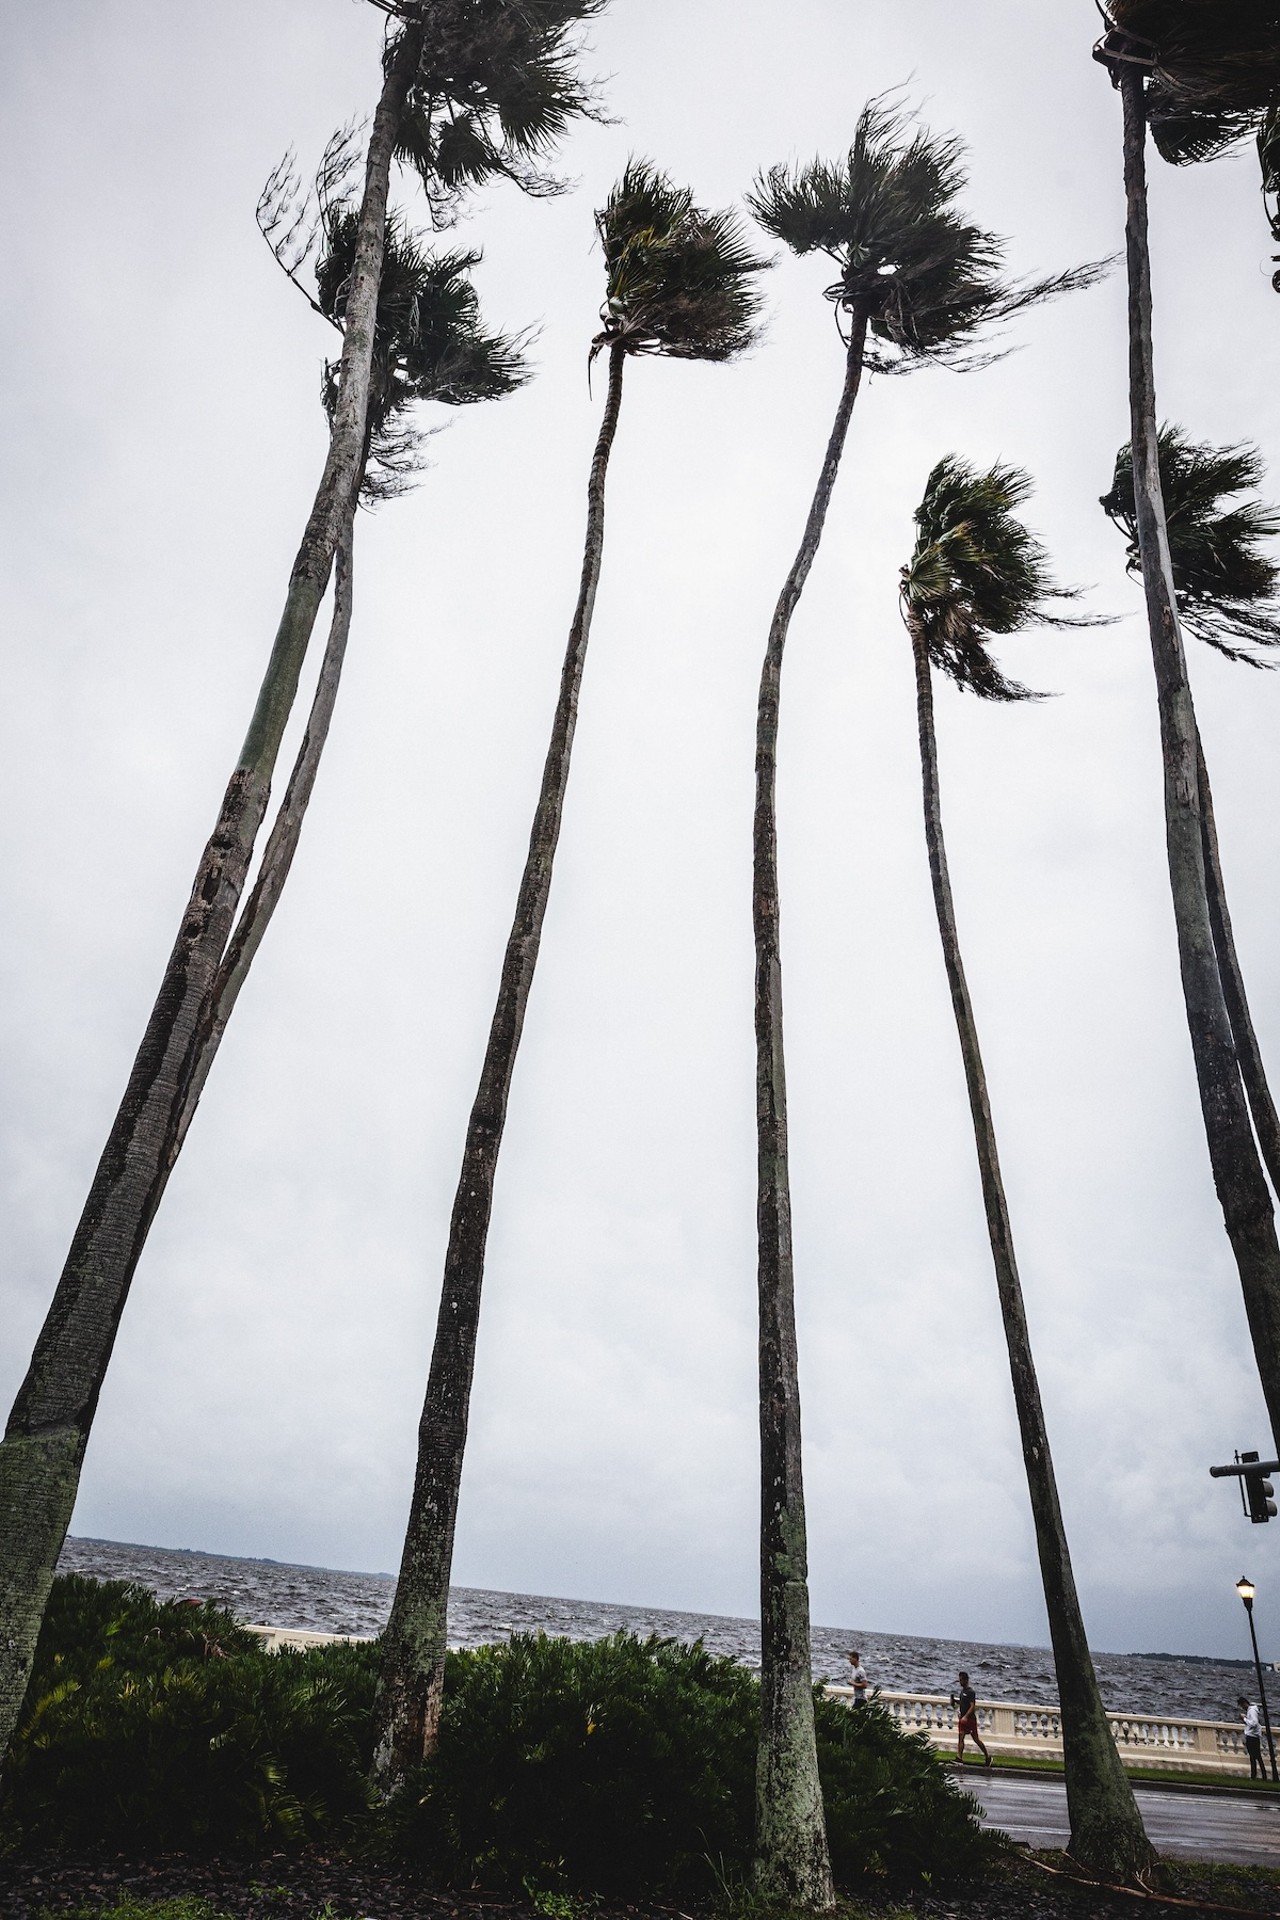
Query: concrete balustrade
[{"x": 1018, "y": 1729}]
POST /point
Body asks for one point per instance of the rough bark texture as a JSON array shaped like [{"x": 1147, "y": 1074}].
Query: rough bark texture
[
  {"x": 43, "y": 1448},
  {"x": 1253, "y": 1072},
  {"x": 1237, "y": 1170},
  {"x": 1107, "y": 1835},
  {"x": 792, "y": 1862},
  {"x": 407, "y": 1709}
]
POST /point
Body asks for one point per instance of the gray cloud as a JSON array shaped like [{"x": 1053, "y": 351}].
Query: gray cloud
[{"x": 161, "y": 436}]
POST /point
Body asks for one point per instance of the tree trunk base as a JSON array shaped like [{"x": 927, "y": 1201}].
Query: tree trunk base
[
  {"x": 39, "y": 1474},
  {"x": 1112, "y": 1850}
]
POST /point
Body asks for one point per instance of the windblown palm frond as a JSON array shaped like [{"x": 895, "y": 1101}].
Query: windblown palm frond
[
  {"x": 928, "y": 281},
  {"x": 496, "y": 88},
  {"x": 429, "y": 343},
  {"x": 1228, "y": 591},
  {"x": 976, "y": 573},
  {"x": 1214, "y": 69},
  {"x": 1269, "y": 162},
  {"x": 680, "y": 280}
]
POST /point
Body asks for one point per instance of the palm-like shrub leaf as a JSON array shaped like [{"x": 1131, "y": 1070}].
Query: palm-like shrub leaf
[
  {"x": 1228, "y": 590},
  {"x": 680, "y": 281},
  {"x": 429, "y": 342},
  {"x": 927, "y": 280},
  {"x": 496, "y": 88},
  {"x": 976, "y": 573},
  {"x": 1214, "y": 69}
]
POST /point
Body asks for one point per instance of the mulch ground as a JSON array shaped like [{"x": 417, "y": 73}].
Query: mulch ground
[{"x": 300, "y": 1886}]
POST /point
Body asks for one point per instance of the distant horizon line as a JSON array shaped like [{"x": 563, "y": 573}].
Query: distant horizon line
[{"x": 631, "y": 1606}]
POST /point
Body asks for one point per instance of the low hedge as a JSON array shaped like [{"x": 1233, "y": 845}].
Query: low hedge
[
  {"x": 619, "y": 1767},
  {"x": 161, "y": 1726}
]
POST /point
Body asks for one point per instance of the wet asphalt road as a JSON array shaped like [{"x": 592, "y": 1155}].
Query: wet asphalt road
[{"x": 1186, "y": 1826}]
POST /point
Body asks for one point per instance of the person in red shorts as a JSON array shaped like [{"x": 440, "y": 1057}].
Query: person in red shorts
[{"x": 966, "y": 1706}]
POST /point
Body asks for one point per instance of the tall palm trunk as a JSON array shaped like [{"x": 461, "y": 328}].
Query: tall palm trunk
[
  {"x": 792, "y": 1861},
  {"x": 1266, "y": 1123},
  {"x": 1237, "y": 1171},
  {"x": 1107, "y": 1835},
  {"x": 44, "y": 1444},
  {"x": 410, "y": 1686},
  {"x": 282, "y": 843}
]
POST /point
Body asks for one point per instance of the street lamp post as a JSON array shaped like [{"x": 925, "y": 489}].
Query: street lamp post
[{"x": 1246, "y": 1589}]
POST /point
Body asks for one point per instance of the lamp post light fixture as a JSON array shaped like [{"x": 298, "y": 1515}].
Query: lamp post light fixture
[{"x": 1246, "y": 1589}]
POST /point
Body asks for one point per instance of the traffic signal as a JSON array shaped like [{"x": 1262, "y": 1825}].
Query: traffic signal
[{"x": 1258, "y": 1494}]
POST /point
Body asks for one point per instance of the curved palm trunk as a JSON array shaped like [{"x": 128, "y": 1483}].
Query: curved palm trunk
[
  {"x": 407, "y": 1707},
  {"x": 792, "y": 1862},
  {"x": 1237, "y": 1172},
  {"x": 282, "y": 843},
  {"x": 1107, "y": 1835},
  {"x": 48, "y": 1429},
  {"x": 1266, "y": 1123}
]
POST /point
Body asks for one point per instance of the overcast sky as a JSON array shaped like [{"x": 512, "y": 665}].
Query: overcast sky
[{"x": 161, "y": 440}]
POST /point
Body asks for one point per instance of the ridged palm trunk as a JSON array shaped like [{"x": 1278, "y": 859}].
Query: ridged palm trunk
[
  {"x": 1266, "y": 1123},
  {"x": 410, "y": 1686},
  {"x": 1237, "y": 1170},
  {"x": 792, "y": 1861},
  {"x": 1107, "y": 1835},
  {"x": 44, "y": 1444}
]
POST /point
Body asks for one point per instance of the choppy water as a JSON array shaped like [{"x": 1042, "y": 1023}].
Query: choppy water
[{"x": 323, "y": 1600}]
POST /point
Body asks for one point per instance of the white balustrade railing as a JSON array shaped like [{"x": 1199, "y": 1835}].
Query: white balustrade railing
[{"x": 1019, "y": 1728}]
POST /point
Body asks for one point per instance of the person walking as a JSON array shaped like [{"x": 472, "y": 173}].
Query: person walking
[
  {"x": 1252, "y": 1738},
  {"x": 858, "y": 1679},
  {"x": 966, "y": 1706}
]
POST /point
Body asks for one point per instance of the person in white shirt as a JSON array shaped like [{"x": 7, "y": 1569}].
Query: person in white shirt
[
  {"x": 1252, "y": 1738},
  {"x": 858, "y": 1679}
]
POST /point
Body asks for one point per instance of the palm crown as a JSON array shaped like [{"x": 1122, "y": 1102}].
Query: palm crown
[
  {"x": 679, "y": 279},
  {"x": 926, "y": 279},
  {"x": 1228, "y": 590},
  {"x": 495, "y": 88},
  {"x": 1214, "y": 68},
  {"x": 977, "y": 573},
  {"x": 429, "y": 342}
]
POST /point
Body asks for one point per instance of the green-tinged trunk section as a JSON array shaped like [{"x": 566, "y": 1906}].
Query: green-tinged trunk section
[
  {"x": 60, "y": 1393},
  {"x": 39, "y": 1475},
  {"x": 1253, "y": 1072},
  {"x": 1107, "y": 1835},
  {"x": 407, "y": 1708},
  {"x": 1237, "y": 1171},
  {"x": 792, "y": 1862}
]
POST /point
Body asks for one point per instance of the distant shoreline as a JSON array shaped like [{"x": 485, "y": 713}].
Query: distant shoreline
[{"x": 628, "y": 1606}]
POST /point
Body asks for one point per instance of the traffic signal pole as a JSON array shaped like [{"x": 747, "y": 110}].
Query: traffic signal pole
[{"x": 1256, "y": 1490}]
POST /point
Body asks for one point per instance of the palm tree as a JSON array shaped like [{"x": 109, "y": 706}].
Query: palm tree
[
  {"x": 429, "y": 345},
  {"x": 1200, "y": 74},
  {"x": 679, "y": 285},
  {"x": 977, "y": 573},
  {"x": 916, "y": 285},
  {"x": 505, "y": 64},
  {"x": 1227, "y": 590}
]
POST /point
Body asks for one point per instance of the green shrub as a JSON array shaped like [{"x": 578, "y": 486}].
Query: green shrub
[
  {"x": 627, "y": 1767},
  {"x": 610, "y": 1767},
  {"x": 158, "y": 1726},
  {"x": 891, "y": 1807},
  {"x": 620, "y": 1768}
]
